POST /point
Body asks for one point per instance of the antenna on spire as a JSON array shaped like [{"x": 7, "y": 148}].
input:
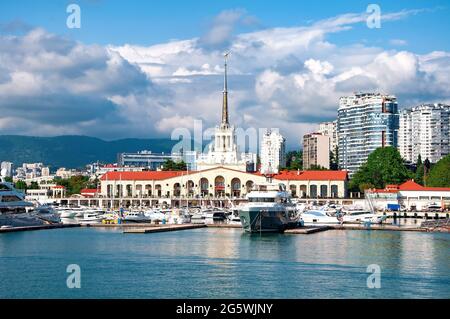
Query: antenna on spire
[{"x": 225, "y": 121}]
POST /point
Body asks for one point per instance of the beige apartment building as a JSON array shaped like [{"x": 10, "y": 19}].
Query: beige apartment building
[{"x": 316, "y": 150}]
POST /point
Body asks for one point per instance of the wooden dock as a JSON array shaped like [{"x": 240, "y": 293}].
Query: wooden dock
[
  {"x": 162, "y": 228},
  {"x": 39, "y": 227},
  {"x": 307, "y": 230}
]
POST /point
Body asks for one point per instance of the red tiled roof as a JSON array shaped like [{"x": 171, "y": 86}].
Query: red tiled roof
[
  {"x": 58, "y": 186},
  {"x": 312, "y": 175},
  {"x": 413, "y": 186},
  {"x": 141, "y": 176}
]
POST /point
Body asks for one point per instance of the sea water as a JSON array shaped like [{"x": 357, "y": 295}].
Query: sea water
[{"x": 224, "y": 263}]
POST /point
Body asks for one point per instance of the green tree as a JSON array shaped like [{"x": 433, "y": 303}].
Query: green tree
[
  {"x": 21, "y": 185},
  {"x": 74, "y": 184},
  {"x": 294, "y": 160},
  {"x": 317, "y": 168},
  {"x": 384, "y": 166},
  {"x": 334, "y": 160},
  {"x": 439, "y": 175},
  {"x": 33, "y": 185},
  {"x": 8, "y": 179},
  {"x": 418, "y": 178},
  {"x": 170, "y": 165}
]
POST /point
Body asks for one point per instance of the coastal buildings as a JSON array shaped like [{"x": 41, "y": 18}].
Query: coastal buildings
[
  {"x": 424, "y": 130},
  {"x": 366, "y": 121},
  {"x": 273, "y": 152},
  {"x": 316, "y": 151},
  {"x": 411, "y": 196},
  {"x": 223, "y": 151}
]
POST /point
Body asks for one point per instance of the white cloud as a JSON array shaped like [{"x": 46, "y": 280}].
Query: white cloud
[{"x": 290, "y": 78}]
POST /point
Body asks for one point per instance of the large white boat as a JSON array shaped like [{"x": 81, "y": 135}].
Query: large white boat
[
  {"x": 269, "y": 209},
  {"x": 13, "y": 208}
]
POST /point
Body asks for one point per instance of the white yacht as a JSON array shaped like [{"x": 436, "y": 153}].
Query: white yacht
[
  {"x": 362, "y": 216},
  {"x": 93, "y": 217},
  {"x": 136, "y": 217},
  {"x": 233, "y": 217},
  {"x": 13, "y": 208},
  {"x": 179, "y": 216},
  {"x": 319, "y": 217}
]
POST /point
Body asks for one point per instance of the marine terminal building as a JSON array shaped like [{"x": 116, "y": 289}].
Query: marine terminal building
[
  {"x": 222, "y": 175},
  {"x": 217, "y": 183}
]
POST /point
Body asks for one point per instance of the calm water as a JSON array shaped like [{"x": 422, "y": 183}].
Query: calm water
[{"x": 223, "y": 263}]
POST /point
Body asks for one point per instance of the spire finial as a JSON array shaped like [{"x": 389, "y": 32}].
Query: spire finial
[{"x": 225, "y": 93}]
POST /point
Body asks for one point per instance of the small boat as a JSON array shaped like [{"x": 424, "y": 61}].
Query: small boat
[
  {"x": 319, "y": 217},
  {"x": 234, "y": 218},
  {"x": 179, "y": 216},
  {"x": 361, "y": 216},
  {"x": 215, "y": 214},
  {"x": 136, "y": 217},
  {"x": 91, "y": 218}
]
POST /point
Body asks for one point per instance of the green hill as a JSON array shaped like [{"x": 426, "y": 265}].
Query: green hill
[{"x": 73, "y": 151}]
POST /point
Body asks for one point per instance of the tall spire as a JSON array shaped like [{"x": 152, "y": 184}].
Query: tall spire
[{"x": 225, "y": 121}]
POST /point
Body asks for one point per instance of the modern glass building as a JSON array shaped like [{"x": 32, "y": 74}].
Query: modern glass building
[{"x": 366, "y": 121}]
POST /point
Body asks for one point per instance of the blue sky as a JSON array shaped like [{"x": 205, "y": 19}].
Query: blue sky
[
  {"x": 148, "y": 68},
  {"x": 149, "y": 22}
]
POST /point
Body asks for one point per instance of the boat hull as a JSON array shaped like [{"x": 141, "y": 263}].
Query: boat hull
[{"x": 256, "y": 220}]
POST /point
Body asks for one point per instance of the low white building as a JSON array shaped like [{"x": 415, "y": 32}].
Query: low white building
[{"x": 411, "y": 196}]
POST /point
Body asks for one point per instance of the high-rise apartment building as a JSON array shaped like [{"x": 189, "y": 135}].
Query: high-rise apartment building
[
  {"x": 316, "y": 151},
  {"x": 273, "y": 152},
  {"x": 424, "y": 130},
  {"x": 366, "y": 121}
]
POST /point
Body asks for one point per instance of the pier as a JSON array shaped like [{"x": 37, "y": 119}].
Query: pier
[
  {"x": 39, "y": 227},
  {"x": 162, "y": 228}
]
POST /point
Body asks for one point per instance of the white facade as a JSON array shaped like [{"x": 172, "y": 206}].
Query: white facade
[
  {"x": 424, "y": 130},
  {"x": 273, "y": 152}
]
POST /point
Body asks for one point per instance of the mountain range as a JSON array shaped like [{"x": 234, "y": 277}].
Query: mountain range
[{"x": 73, "y": 151}]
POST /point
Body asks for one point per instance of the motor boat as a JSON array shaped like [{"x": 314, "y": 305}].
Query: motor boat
[
  {"x": 319, "y": 217},
  {"x": 136, "y": 217},
  {"x": 14, "y": 210},
  {"x": 233, "y": 217},
  {"x": 179, "y": 216},
  {"x": 361, "y": 216},
  {"x": 214, "y": 214},
  {"x": 93, "y": 217},
  {"x": 47, "y": 214}
]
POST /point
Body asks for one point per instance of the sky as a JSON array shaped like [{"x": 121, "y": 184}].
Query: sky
[{"x": 146, "y": 68}]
